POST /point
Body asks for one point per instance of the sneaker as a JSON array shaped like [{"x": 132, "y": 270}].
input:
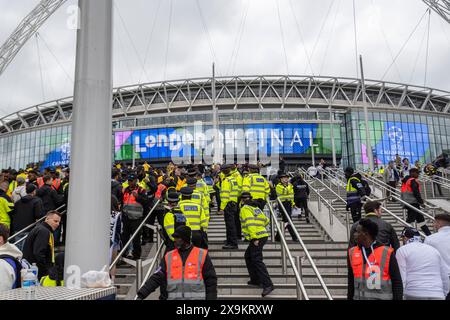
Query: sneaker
[
  {"x": 267, "y": 291},
  {"x": 230, "y": 247},
  {"x": 253, "y": 284},
  {"x": 307, "y": 220}
]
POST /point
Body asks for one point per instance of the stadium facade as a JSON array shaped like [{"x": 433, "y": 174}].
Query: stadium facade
[{"x": 152, "y": 120}]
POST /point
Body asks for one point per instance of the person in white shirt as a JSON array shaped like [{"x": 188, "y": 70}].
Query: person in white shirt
[
  {"x": 441, "y": 239},
  {"x": 424, "y": 272},
  {"x": 8, "y": 254},
  {"x": 20, "y": 191}
]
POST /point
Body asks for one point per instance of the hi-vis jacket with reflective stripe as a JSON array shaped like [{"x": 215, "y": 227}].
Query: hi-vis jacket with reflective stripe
[
  {"x": 253, "y": 222},
  {"x": 257, "y": 185},
  {"x": 169, "y": 224},
  {"x": 285, "y": 192},
  {"x": 229, "y": 191},
  {"x": 194, "y": 214},
  {"x": 203, "y": 188},
  {"x": 199, "y": 197},
  {"x": 371, "y": 282},
  {"x": 6, "y": 206},
  {"x": 185, "y": 282},
  {"x": 237, "y": 176},
  {"x": 353, "y": 195}
]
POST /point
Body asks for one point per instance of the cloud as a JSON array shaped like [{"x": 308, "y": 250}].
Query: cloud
[{"x": 382, "y": 28}]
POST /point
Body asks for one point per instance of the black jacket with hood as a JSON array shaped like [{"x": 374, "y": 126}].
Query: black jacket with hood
[{"x": 26, "y": 211}]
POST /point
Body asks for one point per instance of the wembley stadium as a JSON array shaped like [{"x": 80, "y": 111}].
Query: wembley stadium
[{"x": 150, "y": 119}]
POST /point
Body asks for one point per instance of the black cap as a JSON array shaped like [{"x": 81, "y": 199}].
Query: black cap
[
  {"x": 253, "y": 167},
  {"x": 283, "y": 174},
  {"x": 246, "y": 195},
  {"x": 409, "y": 232},
  {"x": 191, "y": 181},
  {"x": 131, "y": 177},
  {"x": 186, "y": 191},
  {"x": 226, "y": 167},
  {"x": 183, "y": 232},
  {"x": 173, "y": 197}
]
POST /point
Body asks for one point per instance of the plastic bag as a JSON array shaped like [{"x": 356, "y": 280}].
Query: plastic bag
[{"x": 96, "y": 279}]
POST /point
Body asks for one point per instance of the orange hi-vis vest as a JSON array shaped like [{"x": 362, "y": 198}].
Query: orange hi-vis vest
[
  {"x": 186, "y": 281},
  {"x": 56, "y": 184},
  {"x": 161, "y": 188},
  {"x": 407, "y": 194},
  {"x": 372, "y": 278}
]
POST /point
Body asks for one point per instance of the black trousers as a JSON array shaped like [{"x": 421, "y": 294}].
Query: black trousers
[
  {"x": 302, "y": 204},
  {"x": 217, "y": 195},
  {"x": 255, "y": 265},
  {"x": 413, "y": 215},
  {"x": 231, "y": 214},
  {"x": 288, "y": 206},
  {"x": 355, "y": 210},
  {"x": 392, "y": 184},
  {"x": 198, "y": 239},
  {"x": 129, "y": 227}
]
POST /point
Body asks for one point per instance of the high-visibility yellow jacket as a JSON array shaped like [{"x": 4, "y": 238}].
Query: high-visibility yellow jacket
[
  {"x": 257, "y": 185},
  {"x": 253, "y": 222},
  {"x": 285, "y": 193},
  {"x": 199, "y": 197},
  {"x": 180, "y": 184},
  {"x": 237, "y": 175},
  {"x": 203, "y": 188},
  {"x": 194, "y": 214},
  {"x": 47, "y": 282},
  {"x": 5, "y": 208},
  {"x": 12, "y": 187},
  {"x": 229, "y": 191},
  {"x": 169, "y": 224}
]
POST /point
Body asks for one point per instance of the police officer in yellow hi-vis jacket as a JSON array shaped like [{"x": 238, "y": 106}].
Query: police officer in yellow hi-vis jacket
[
  {"x": 254, "y": 223},
  {"x": 229, "y": 193},
  {"x": 257, "y": 185},
  {"x": 285, "y": 192},
  {"x": 195, "y": 215}
]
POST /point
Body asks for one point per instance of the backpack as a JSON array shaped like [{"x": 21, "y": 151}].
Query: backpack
[
  {"x": 17, "y": 265},
  {"x": 366, "y": 186}
]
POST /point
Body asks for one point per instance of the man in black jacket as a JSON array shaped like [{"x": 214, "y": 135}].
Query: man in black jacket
[
  {"x": 39, "y": 246},
  {"x": 182, "y": 240},
  {"x": 116, "y": 186},
  {"x": 369, "y": 259},
  {"x": 51, "y": 199},
  {"x": 26, "y": 211},
  {"x": 386, "y": 232},
  {"x": 301, "y": 194}
]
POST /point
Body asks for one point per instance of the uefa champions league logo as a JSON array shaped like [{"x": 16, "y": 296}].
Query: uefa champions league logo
[
  {"x": 396, "y": 135},
  {"x": 65, "y": 152}
]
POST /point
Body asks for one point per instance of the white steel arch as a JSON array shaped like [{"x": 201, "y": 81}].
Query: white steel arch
[
  {"x": 441, "y": 7},
  {"x": 26, "y": 29}
]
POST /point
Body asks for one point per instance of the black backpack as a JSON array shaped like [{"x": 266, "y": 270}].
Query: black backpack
[
  {"x": 17, "y": 266},
  {"x": 366, "y": 186}
]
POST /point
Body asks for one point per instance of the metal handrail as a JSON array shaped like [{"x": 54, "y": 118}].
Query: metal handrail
[
  {"x": 403, "y": 222},
  {"x": 150, "y": 268},
  {"x": 305, "y": 250},
  {"x": 125, "y": 247},
  {"x": 435, "y": 179},
  {"x": 375, "y": 181},
  {"x": 291, "y": 259},
  {"x": 32, "y": 225}
]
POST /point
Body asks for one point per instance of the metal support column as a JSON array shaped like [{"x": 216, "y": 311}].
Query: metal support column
[
  {"x": 283, "y": 251},
  {"x": 89, "y": 195},
  {"x": 366, "y": 118}
]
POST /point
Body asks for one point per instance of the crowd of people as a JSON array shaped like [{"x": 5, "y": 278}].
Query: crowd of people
[{"x": 180, "y": 200}]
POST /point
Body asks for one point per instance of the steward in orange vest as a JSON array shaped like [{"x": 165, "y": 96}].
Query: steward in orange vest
[
  {"x": 187, "y": 272},
  {"x": 373, "y": 272}
]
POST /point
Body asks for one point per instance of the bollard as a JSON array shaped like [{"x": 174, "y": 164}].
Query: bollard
[
  {"x": 330, "y": 215},
  {"x": 298, "y": 262},
  {"x": 404, "y": 214},
  {"x": 139, "y": 272},
  {"x": 347, "y": 224},
  {"x": 283, "y": 250}
]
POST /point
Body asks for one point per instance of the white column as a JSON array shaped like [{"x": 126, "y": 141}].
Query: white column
[{"x": 90, "y": 178}]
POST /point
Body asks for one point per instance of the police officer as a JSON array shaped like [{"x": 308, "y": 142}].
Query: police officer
[
  {"x": 172, "y": 219},
  {"x": 199, "y": 197},
  {"x": 257, "y": 185},
  {"x": 254, "y": 223},
  {"x": 285, "y": 192},
  {"x": 229, "y": 193},
  {"x": 355, "y": 192},
  {"x": 195, "y": 216},
  {"x": 301, "y": 194}
]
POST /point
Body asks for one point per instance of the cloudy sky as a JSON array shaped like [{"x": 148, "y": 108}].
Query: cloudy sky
[{"x": 172, "y": 39}]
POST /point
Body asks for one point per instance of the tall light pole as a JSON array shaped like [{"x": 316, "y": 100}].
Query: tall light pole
[
  {"x": 366, "y": 118},
  {"x": 217, "y": 155},
  {"x": 89, "y": 206}
]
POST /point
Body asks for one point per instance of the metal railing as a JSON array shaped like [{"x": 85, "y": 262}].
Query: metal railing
[
  {"x": 382, "y": 186},
  {"x": 32, "y": 225},
  {"x": 305, "y": 250},
  {"x": 396, "y": 217},
  {"x": 301, "y": 291},
  {"x": 125, "y": 247}
]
